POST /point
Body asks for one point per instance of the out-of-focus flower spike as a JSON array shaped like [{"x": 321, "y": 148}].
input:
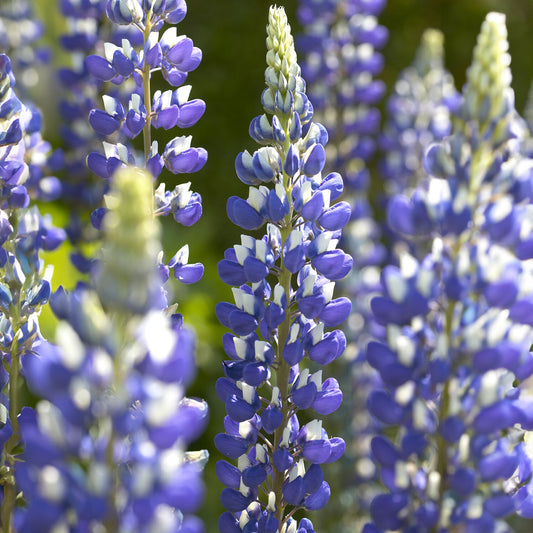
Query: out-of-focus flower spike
[
  {"x": 340, "y": 43},
  {"x": 112, "y": 389},
  {"x": 452, "y": 374},
  {"x": 418, "y": 113},
  {"x": 25, "y": 285}
]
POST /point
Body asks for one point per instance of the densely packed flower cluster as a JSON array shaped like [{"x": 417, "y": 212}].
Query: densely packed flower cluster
[
  {"x": 133, "y": 109},
  {"x": 25, "y": 285},
  {"x": 341, "y": 45},
  {"x": 174, "y": 56},
  {"x": 458, "y": 322},
  {"x": 105, "y": 448},
  {"x": 283, "y": 289}
]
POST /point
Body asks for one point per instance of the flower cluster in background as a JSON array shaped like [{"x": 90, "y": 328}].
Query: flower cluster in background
[
  {"x": 341, "y": 45},
  {"x": 372, "y": 371},
  {"x": 458, "y": 326}
]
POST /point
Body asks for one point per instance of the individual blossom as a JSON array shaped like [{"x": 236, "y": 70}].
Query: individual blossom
[
  {"x": 131, "y": 113},
  {"x": 106, "y": 446},
  {"x": 283, "y": 284},
  {"x": 457, "y": 350},
  {"x": 25, "y": 283}
]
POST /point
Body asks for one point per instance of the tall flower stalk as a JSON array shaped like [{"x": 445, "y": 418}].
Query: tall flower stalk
[
  {"x": 25, "y": 285},
  {"x": 82, "y": 192},
  {"x": 278, "y": 328},
  {"x": 137, "y": 111},
  {"x": 341, "y": 45},
  {"x": 458, "y": 322},
  {"x": 105, "y": 448}
]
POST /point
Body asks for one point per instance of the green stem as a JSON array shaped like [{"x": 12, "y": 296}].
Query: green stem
[
  {"x": 282, "y": 372},
  {"x": 282, "y": 382},
  {"x": 111, "y": 523},
  {"x": 10, "y": 489},
  {"x": 120, "y": 321},
  {"x": 8, "y": 474}
]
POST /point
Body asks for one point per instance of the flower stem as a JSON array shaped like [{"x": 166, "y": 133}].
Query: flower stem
[
  {"x": 282, "y": 374},
  {"x": 10, "y": 489},
  {"x": 8, "y": 473},
  {"x": 282, "y": 382}
]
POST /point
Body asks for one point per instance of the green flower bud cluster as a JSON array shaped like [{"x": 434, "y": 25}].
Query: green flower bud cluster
[
  {"x": 489, "y": 76},
  {"x": 128, "y": 278}
]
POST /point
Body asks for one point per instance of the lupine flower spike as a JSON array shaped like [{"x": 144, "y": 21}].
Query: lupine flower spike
[
  {"x": 138, "y": 111},
  {"x": 105, "y": 449},
  {"x": 418, "y": 113},
  {"x": 341, "y": 45},
  {"x": 25, "y": 283},
  {"x": 82, "y": 190},
  {"x": 283, "y": 289},
  {"x": 459, "y": 325}
]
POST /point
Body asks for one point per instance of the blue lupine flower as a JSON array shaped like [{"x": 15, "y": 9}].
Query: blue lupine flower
[
  {"x": 84, "y": 21},
  {"x": 20, "y": 32},
  {"x": 105, "y": 447},
  {"x": 25, "y": 284},
  {"x": 135, "y": 110},
  {"x": 458, "y": 333},
  {"x": 267, "y": 377},
  {"x": 418, "y": 113},
  {"x": 341, "y": 43}
]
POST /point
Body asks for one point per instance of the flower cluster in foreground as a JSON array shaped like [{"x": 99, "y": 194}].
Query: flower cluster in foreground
[{"x": 106, "y": 446}]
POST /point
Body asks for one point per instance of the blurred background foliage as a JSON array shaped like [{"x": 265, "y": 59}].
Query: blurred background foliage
[{"x": 231, "y": 34}]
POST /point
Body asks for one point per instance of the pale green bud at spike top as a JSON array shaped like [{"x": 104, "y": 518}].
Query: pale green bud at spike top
[
  {"x": 489, "y": 76},
  {"x": 283, "y": 71},
  {"x": 430, "y": 53},
  {"x": 281, "y": 53},
  {"x": 128, "y": 278}
]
